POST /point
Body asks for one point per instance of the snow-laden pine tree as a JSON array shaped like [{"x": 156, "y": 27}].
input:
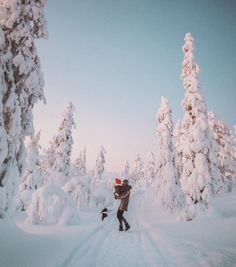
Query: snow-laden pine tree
[
  {"x": 79, "y": 185},
  {"x": 80, "y": 163},
  {"x": 101, "y": 193},
  {"x": 3, "y": 133},
  {"x": 197, "y": 166},
  {"x": 11, "y": 139},
  {"x": 32, "y": 178},
  {"x": 233, "y": 134},
  {"x": 62, "y": 144},
  {"x": 138, "y": 176},
  {"x": 125, "y": 172},
  {"x": 151, "y": 170},
  {"x": 179, "y": 138},
  {"x": 100, "y": 166},
  {"x": 21, "y": 22},
  {"x": 47, "y": 161},
  {"x": 169, "y": 192},
  {"x": 225, "y": 150}
]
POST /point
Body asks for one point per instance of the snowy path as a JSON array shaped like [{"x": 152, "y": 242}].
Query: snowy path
[
  {"x": 155, "y": 239},
  {"x": 109, "y": 247},
  {"x": 147, "y": 244}
]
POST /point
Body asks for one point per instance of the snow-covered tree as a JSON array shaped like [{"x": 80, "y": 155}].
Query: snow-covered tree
[
  {"x": 138, "y": 176},
  {"x": 81, "y": 190},
  {"x": 125, "y": 172},
  {"x": 100, "y": 193},
  {"x": 179, "y": 139},
  {"x": 52, "y": 206},
  {"x": 63, "y": 141},
  {"x": 151, "y": 170},
  {"x": 3, "y": 132},
  {"x": 85, "y": 188},
  {"x": 169, "y": 192},
  {"x": 11, "y": 138},
  {"x": 196, "y": 177},
  {"x": 225, "y": 151},
  {"x": 80, "y": 163},
  {"x": 21, "y": 22},
  {"x": 73, "y": 188},
  {"x": 233, "y": 134},
  {"x": 32, "y": 176},
  {"x": 99, "y": 167},
  {"x": 47, "y": 161}
]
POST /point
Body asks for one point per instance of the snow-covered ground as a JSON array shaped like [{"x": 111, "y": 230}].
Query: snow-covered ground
[{"x": 155, "y": 239}]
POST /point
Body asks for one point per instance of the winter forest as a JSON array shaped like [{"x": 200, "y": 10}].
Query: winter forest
[{"x": 187, "y": 183}]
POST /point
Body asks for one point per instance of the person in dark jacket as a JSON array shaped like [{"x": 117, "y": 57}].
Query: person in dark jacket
[{"x": 124, "y": 202}]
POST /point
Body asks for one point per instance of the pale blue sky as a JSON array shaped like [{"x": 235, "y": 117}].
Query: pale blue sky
[{"x": 114, "y": 59}]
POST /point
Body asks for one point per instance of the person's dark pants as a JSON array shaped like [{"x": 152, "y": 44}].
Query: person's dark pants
[{"x": 121, "y": 218}]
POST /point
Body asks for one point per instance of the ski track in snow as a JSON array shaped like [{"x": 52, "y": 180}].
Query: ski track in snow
[
  {"x": 86, "y": 254},
  {"x": 149, "y": 247},
  {"x": 146, "y": 244},
  {"x": 106, "y": 246},
  {"x": 74, "y": 252},
  {"x": 166, "y": 253},
  {"x": 125, "y": 247}
]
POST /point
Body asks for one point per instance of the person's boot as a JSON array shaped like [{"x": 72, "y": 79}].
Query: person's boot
[
  {"x": 127, "y": 227},
  {"x": 120, "y": 228}
]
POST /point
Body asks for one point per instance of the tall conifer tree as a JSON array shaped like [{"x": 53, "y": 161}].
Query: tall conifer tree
[
  {"x": 197, "y": 166},
  {"x": 21, "y": 23},
  {"x": 169, "y": 193}
]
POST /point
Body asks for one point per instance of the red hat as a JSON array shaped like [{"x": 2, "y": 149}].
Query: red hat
[{"x": 118, "y": 181}]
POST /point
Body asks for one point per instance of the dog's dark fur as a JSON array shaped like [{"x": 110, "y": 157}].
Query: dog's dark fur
[{"x": 104, "y": 213}]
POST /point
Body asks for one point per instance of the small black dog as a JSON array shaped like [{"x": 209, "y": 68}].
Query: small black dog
[{"x": 104, "y": 213}]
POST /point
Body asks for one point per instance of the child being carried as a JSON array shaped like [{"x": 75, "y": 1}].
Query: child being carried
[{"x": 119, "y": 188}]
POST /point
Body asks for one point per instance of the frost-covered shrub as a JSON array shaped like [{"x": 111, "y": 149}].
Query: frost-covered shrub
[{"x": 52, "y": 206}]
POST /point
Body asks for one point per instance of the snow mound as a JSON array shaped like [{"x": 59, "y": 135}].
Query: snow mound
[{"x": 51, "y": 206}]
